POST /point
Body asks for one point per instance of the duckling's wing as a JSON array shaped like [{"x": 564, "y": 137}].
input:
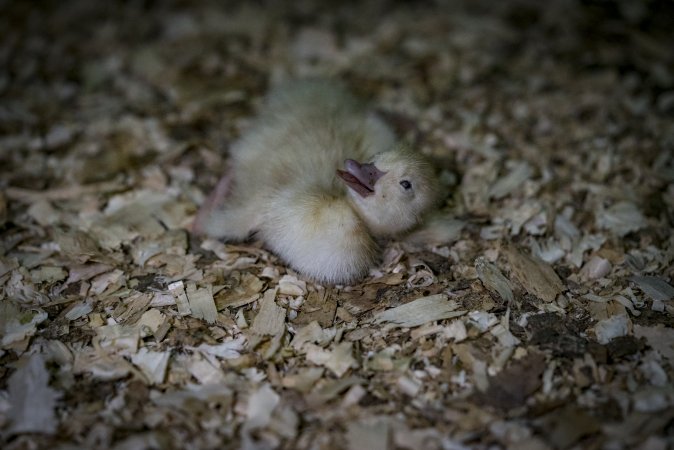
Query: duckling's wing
[
  {"x": 329, "y": 105},
  {"x": 306, "y": 130}
]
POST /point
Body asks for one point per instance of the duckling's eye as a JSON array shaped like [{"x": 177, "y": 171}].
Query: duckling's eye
[{"x": 406, "y": 185}]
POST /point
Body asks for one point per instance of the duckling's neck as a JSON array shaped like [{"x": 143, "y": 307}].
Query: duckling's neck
[
  {"x": 373, "y": 227},
  {"x": 383, "y": 221}
]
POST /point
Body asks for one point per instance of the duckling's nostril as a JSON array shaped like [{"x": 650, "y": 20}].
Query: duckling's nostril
[{"x": 368, "y": 173}]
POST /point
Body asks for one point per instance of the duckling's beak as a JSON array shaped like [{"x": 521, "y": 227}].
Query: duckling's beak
[{"x": 360, "y": 177}]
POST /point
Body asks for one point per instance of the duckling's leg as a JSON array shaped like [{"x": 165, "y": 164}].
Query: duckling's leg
[
  {"x": 214, "y": 202},
  {"x": 221, "y": 216},
  {"x": 232, "y": 223}
]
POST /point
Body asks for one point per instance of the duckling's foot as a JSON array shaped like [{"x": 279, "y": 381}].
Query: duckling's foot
[{"x": 214, "y": 202}]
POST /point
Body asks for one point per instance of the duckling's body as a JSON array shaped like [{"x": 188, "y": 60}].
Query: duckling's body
[{"x": 285, "y": 184}]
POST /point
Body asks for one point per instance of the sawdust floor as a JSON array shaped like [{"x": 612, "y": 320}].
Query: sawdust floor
[{"x": 544, "y": 319}]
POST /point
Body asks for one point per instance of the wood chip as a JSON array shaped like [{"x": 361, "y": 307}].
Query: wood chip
[
  {"x": 656, "y": 288},
  {"x": 177, "y": 289},
  {"x": 32, "y": 402},
  {"x": 290, "y": 285},
  {"x": 493, "y": 279},
  {"x": 270, "y": 320},
  {"x": 247, "y": 292},
  {"x": 536, "y": 276},
  {"x": 320, "y": 307},
  {"x": 261, "y": 405},
  {"x": 372, "y": 435},
  {"x": 332, "y": 388},
  {"x": 338, "y": 361},
  {"x": 420, "y": 311},
  {"x": 152, "y": 364},
  {"x": 201, "y": 303}
]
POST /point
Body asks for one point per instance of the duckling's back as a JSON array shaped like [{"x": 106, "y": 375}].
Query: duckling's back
[{"x": 305, "y": 131}]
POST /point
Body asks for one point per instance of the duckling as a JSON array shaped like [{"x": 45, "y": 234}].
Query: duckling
[{"x": 320, "y": 180}]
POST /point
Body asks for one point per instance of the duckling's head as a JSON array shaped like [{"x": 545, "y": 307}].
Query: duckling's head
[{"x": 392, "y": 192}]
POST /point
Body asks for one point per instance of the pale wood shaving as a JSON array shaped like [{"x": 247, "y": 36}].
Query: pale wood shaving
[
  {"x": 152, "y": 364},
  {"x": 31, "y": 400},
  {"x": 201, "y": 303},
  {"x": 339, "y": 360},
  {"x": 271, "y": 318},
  {"x": 177, "y": 289},
  {"x": 537, "y": 277},
  {"x": 420, "y": 311}
]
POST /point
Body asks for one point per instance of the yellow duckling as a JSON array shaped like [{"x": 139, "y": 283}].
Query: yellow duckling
[{"x": 319, "y": 179}]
